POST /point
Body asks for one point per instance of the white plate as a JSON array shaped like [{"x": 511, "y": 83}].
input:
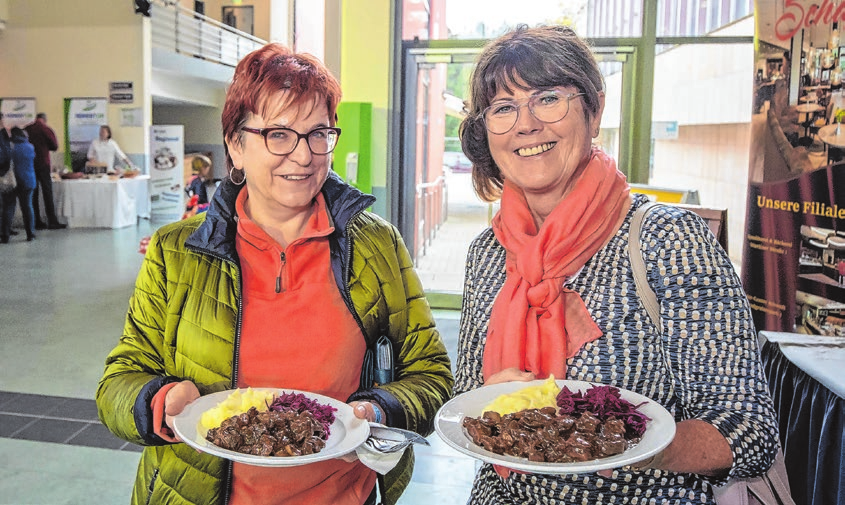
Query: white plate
[
  {"x": 659, "y": 431},
  {"x": 347, "y": 431}
]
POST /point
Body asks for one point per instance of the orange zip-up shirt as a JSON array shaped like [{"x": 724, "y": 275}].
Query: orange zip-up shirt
[{"x": 297, "y": 333}]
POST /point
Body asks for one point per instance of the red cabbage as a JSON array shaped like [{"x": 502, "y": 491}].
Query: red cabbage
[
  {"x": 603, "y": 402},
  {"x": 298, "y": 402}
]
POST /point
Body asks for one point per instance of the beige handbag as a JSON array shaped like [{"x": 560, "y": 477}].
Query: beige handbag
[
  {"x": 8, "y": 183},
  {"x": 771, "y": 488}
]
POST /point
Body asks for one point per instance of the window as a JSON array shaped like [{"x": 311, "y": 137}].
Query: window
[
  {"x": 239, "y": 18},
  {"x": 486, "y": 19}
]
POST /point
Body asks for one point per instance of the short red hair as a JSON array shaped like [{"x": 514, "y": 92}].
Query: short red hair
[{"x": 266, "y": 71}]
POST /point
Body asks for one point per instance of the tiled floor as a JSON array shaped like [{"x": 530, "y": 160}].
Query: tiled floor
[
  {"x": 63, "y": 299},
  {"x": 56, "y": 419}
]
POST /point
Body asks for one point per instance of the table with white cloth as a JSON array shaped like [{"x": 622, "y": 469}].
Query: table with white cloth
[
  {"x": 103, "y": 202},
  {"x": 806, "y": 376}
]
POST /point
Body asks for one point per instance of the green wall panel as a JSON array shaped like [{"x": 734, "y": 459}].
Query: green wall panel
[{"x": 355, "y": 119}]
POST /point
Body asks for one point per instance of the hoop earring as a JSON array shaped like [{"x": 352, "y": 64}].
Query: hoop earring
[
  {"x": 232, "y": 178},
  {"x": 596, "y": 134}
]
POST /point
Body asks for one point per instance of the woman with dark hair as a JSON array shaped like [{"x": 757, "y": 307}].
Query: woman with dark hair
[
  {"x": 286, "y": 281},
  {"x": 23, "y": 159},
  {"x": 550, "y": 289}
]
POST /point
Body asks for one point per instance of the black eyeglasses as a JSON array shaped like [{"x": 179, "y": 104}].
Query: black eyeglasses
[
  {"x": 282, "y": 141},
  {"x": 549, "y": 106}
]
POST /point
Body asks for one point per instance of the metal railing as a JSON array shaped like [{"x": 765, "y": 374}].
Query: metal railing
[
  {"x": 432, "y": 211},
  {"x": 183, "y": 31}
]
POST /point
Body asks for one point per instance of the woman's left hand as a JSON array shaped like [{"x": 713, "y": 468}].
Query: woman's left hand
[
  {"x": 653, "y": 462},
  {"x": 698, "y": 447},
  {"x": 367, "y": 412}
]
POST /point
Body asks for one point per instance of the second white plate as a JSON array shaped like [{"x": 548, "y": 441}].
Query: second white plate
[
  {"x": 659, "y": 431},
  {"x": 347, "y": 432}
]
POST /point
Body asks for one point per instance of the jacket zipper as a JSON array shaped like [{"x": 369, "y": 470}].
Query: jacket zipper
[
  {"x": 347, "y": 294},
  {"x": 279, "y": 286},
  {"x": 151, "y": 486},
  {"x": 347, "y": 298},
  {"x": 235, "y": 360}
]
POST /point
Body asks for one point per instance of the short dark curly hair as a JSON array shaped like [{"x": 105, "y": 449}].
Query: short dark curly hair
[{"x": 542, "y": 57}]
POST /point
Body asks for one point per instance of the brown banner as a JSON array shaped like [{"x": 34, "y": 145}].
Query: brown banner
[{"x": 794, "y": 253}]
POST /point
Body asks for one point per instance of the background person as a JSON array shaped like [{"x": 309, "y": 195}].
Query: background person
[
  {"x": 23, "y": 156},
  {"x": 284, "y": 282},
  {"x": 5, "y": 166},
  {"x": 104, "y": 150},
  {"x": 199, "y": 190},
  {"x": 5, "y": 147},
  {"x": 203, "y": 182},
  {"x": 549, "y": 288},
  {"x": 43, "y": 139}
]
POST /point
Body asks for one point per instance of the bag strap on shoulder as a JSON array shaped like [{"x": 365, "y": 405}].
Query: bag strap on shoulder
[{"x": 647, "y": 295}]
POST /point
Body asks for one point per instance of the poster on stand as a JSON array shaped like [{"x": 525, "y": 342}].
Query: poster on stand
[
  {"x": 793, "y": 264},
  {"x": 167, "y": 147},
  {"x": 17, "y": 111},
  {"x": 84, "y": 118}
]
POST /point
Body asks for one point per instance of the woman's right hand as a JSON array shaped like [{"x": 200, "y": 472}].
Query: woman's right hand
[
  {"x": 509, "y": 375},
  {"x": 175, "y": 401}
]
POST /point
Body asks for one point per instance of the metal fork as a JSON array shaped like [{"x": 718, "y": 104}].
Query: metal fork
[
  {"x": 410, "y": 435},
  {"x": 387, "y": 446}
]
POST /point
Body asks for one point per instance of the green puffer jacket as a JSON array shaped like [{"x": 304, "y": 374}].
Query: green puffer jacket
[{"x": 183, "y": 323}]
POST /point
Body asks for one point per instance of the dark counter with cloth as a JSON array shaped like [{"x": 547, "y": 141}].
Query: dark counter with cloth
[{"x": 806, "y": 376}]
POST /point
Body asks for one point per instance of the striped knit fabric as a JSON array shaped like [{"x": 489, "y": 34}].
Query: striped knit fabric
[{"x": 705, "y": 366}]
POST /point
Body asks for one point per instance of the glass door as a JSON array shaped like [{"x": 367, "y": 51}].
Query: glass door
[{"x": 439, "y": 213}]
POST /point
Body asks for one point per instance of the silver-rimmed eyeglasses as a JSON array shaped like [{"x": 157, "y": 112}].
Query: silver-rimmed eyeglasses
[
  {"x": 548, "y": 106},
  {"x": 282, "y": 141}
]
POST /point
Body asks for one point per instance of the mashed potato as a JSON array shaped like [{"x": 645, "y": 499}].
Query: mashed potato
[
  {"x": 236, "y": 403},
  {"x": 532, "y": 397}
]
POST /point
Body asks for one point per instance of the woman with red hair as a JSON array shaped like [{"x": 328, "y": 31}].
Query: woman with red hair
[{"x": 285, "y": 282}]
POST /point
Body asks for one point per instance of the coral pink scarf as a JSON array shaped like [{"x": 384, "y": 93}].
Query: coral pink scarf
[{"x": 536, "y": 324}]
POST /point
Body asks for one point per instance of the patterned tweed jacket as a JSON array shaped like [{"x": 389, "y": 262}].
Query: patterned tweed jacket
[{"x": 705, "y": 365}]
